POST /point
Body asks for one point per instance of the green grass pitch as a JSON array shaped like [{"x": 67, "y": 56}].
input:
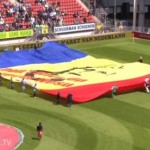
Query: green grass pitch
[{"x": 121, "y": 123}]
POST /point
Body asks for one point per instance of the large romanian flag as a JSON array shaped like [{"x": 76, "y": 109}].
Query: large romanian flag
[{"x": 55, "y": 67}]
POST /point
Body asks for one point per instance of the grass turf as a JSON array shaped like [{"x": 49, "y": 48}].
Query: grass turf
[{"x": 106, "y": 124}]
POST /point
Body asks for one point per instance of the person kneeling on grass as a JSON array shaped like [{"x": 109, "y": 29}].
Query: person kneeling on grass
[
  {"x": 39, "y": 129},
  {"x": 114, "y": 90}
]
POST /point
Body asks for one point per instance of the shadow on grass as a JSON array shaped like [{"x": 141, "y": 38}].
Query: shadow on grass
[{"x": 35, "y": 138}]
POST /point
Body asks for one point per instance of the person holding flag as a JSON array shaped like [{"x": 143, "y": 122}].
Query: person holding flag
[
  {"x": 58, "y": 98},
  {"x": 11, "y": 83},
  {"x": 69, "y": 99},
  {"x": 147, "y": 85},
  {"x": 114, "y": 90},
  {"x": 23, "y": 84},
  {"x": 140, "y": 59},
  {"x": 34, "y": 90},
  {"x": 1, "y": 78}
]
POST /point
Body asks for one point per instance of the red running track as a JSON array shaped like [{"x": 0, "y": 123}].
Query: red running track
[{"x": 10, "y": 137}]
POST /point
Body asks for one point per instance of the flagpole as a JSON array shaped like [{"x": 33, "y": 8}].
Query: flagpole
[
  {"x": 133, "y": 38},
  {"x": 115, "y": 14},
  {"x": 134, "y": 15},
  {"x": 134, "y": 19}
]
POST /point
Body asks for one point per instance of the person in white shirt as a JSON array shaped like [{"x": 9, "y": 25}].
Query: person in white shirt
[
  {"x": 17, "y": 48},
  {"x": 34, "y": 90}
]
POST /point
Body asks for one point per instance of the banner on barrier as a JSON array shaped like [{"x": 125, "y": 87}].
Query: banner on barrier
[
  {"x": 75, "y": 28},
  {"x": 141, "y": 35},
  {"x": 15, "y": 34}
]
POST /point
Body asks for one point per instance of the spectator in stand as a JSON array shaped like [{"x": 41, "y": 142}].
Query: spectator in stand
[
  {"x": 84, "y": 20},
  {"x": 43, "y": 2},
  {"x": 32, "y": 21},
  {"x": 10, "y": 12},
  {"x": 2, "y": 24},
  {"x": 53, "y": 14},
  {"x": 37, "y": 2},
  {"x": 77, "y": 14},
  {"x": 76, "y": 21},
  {"x": 54, "y": 6},
  {"x": 16, "y": 7},
  {"x": 47, "y": 5},
  {"x": 61, "y": 22},
  {"x": 64, "y": 13},
  {"x": 58, "y": 8},
  {"x": 16, "y": 26},
  {"x": 89, "y": 13},
  {"x": 6, "y": 4}
]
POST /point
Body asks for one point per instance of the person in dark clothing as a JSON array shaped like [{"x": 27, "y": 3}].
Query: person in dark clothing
[
  {"x": 140, "y": 59},
  {"x": 11, "y": 83},
  {"x": 39, "y": 129},
  {"x": 35, "y": 90},
  {"x": 35, "y": 47},
  {"x": 58, "y": 98},
  {"x": 69, "y": 99},
  {"x": 1, "y": 82}
]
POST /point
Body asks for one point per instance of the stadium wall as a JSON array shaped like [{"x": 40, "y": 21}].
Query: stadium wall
[
  {"x": 141, "y": 35},
  {"x": 68, "y": 41}
]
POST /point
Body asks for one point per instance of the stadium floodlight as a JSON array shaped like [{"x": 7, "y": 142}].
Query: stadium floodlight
[
  {"x": 115, "y": 14},
  {"x": 134, "y": 15}
]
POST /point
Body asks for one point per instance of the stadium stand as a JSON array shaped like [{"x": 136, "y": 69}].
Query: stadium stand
[{"x": 25, "y": 14}]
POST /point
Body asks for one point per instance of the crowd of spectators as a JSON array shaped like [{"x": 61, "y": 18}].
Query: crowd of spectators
[{"x": 23, "y": 16}]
